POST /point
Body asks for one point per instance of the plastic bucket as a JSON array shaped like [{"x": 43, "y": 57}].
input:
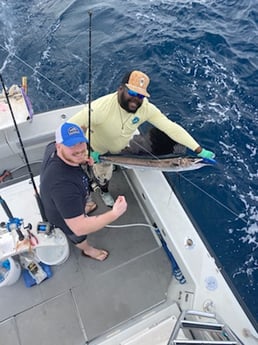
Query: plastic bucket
[
  {"x": 57, "y": 252},
  {"x": 12, "y": 274},
  {"x": 53, "y": 255}
]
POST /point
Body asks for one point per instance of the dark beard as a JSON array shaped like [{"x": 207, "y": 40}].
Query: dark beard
[{"x": 124, "y": 103}]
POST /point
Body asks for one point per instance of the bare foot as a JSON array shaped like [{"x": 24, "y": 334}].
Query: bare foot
[{"x": 96, "y": 254}]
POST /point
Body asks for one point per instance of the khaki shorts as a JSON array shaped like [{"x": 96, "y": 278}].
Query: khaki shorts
[{"x": 102, "y": 172}]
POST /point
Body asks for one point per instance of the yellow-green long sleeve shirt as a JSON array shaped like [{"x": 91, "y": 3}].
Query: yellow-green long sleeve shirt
[{"x": 112, "y": 127}]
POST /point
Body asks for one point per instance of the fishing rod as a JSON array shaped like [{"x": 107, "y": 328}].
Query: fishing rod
[
  {"x": 90, "y": 83},
  {"x": 39, "y": 201},
  {"x": 88, "y": 169}
]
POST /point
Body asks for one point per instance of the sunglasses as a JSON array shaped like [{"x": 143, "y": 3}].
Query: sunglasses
[{"x": 134, "y": 94}]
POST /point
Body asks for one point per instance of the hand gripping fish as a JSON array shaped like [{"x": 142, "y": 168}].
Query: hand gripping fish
[{"x": 162, "y": 163}]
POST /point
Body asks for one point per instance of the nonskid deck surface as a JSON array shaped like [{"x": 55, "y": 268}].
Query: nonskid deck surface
[{"x": 85, "y": 298}]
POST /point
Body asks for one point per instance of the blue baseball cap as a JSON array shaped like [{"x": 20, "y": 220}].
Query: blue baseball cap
[{"x": 70, "y": 134}]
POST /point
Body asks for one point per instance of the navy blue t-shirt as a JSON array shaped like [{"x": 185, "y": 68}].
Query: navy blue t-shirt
[{"x": 64, "y": 189}]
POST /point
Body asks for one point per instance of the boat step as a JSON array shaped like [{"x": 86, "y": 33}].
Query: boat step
[
  {"x": 202, "y": 325},
  {"x": 201, "y": 328}
]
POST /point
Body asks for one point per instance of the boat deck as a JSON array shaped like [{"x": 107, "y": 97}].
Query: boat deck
[{"x": 85, "y": 299}]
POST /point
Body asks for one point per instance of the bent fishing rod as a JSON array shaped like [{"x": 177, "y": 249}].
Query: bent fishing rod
[{"x": 39, "y": 201}]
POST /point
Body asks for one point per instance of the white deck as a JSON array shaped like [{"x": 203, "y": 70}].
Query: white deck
[{"x": 85, "y": 299}]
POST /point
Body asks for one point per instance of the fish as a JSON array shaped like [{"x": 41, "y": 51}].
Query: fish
[{"x": 164, "y": 163}]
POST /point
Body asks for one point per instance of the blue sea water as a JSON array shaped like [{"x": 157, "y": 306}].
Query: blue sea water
[{"x": 202, "y": 57}]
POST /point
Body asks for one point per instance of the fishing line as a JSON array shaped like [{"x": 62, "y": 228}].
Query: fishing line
[
  {"x": 213, "y": 198},
  {"x": 146, "y": 150},
  {"x": 40, "y": 205},
  {"x": 195, "y": 185},
  {"x": 41, "y": 75},
  {"x": 90, "y": 85}
]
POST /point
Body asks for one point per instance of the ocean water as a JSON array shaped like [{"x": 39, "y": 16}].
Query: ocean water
[{"x": 202, "y": 57}]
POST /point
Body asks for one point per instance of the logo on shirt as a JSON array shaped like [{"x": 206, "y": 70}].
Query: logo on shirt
[{"x": 135, "y": 120}]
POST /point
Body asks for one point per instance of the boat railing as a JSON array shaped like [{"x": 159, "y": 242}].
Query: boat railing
[{"x": 199, "y": 328}]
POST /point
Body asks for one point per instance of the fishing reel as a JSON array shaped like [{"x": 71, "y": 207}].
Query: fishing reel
[
  {"x": 15, "y": 224},
  {"x": 45, "y": 228}
]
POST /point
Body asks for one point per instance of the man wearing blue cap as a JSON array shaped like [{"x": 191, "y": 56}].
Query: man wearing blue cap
[{"x": 64, "y": 189}]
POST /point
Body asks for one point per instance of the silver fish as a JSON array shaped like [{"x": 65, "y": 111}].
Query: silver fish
[{"x": 175, "y": 164}]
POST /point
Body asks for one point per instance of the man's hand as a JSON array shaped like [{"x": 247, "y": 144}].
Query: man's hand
[
  {"x": 206, "y": 154},
  {"x": 95, "y": 156},
  {"x": 120, "y": 206}
]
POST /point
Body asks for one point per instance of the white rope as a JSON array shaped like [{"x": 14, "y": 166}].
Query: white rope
[{"x": 130, "y": 225}]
